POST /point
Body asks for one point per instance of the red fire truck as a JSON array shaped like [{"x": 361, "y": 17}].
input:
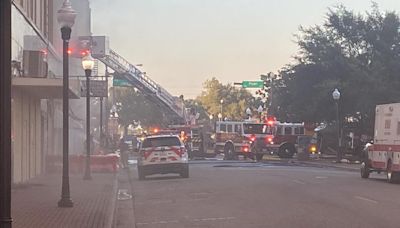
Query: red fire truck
[
  {"x": 233, "y": 138},
  {"x": 284, "y": 140},
  {"x": 255, "y": 140},
  {"x": 384, "y": 154},
  {"x": 191, "y": 136}
]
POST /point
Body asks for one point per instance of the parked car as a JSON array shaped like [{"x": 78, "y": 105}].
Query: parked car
[{"x": 162, "y": 154}]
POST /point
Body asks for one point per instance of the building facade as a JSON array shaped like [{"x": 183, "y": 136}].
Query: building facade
[{"x": 37, "y": 87}]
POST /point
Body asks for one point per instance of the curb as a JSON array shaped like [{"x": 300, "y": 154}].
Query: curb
[
  {"x": 324, "y": 165},
  {"x": 111, "y": 220}
]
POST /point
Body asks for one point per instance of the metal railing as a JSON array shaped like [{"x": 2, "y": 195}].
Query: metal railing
[{"x": 122, "y": 66}]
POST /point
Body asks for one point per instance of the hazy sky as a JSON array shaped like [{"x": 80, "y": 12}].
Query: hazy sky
[{"x": 181, "y": 43}]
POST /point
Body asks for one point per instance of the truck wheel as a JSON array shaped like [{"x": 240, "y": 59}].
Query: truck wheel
[
  {"x": 286, "y": 151},
  {"x": 185, "y": 172},
  {"x": 365, "y": 171},
  {"x": 141, "y": 174},
  {"x": 392, "y": 177},
  {"x": 229, "y": 152},
  {"x": 259, "y": 157}
]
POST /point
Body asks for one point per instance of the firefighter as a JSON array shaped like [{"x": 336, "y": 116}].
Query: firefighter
[{"x": 123, "y": 149}]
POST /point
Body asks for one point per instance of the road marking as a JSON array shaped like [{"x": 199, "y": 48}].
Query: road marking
[
  {"x": 319, "y": 177},
  {"x": 299, "y": 182},
  {"x": 365, "y": 199},
  {"x": 213, "y": 219},
  {"x": 156, "y": 223},
  {"x": 177, "y": 221}
]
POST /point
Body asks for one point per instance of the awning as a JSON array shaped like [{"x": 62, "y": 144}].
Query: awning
[{"x": 46, "y": 88}]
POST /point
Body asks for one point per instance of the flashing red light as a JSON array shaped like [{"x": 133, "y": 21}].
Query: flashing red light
[
  {"x": 156, "y": 130},
  {"x": 69, "y": 51},
  {"x": 246, "y": 149},
  {"x": 85, "y": 52},
  {"x": 253, "y": 138},
  {"x": 269, "y": 139},
  {"x": 271, "y": 120}
]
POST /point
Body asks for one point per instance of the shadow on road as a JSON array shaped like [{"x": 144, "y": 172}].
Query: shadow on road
[{"x": 157, "y": 178}]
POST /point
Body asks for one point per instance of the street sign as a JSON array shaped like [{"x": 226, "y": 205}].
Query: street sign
[
  {"x": 97, "y": 88},
  {"x": 253, "y": 84},
  {"x": 121, "y": 83}
]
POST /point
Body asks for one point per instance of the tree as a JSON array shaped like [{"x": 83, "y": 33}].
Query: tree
[
  {"x": 135, "y": 106},
  {"x": 235, "y": 100},
  {"x": 358, "y": 54}
]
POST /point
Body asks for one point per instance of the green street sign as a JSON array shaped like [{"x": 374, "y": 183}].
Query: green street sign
[
  {"x": 121, "y": 83},
  {"x": 253, "y": 84}
]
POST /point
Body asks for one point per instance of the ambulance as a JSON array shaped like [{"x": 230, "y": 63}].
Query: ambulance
[{"x": 384, "y": 154}]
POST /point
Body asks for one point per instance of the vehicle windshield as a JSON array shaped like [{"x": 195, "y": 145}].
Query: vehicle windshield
[
  {"x": 161, "y": 141},
  {"x": 261, "y": 129}
]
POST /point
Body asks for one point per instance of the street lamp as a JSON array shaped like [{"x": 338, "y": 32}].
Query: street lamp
[
  {"x": 336, "y": 97},
  {"x": 221, "y": 102},
  {"x": 260, "y": 110},
  {"x": 248, "y": 112},
  {"x": 66, "y": 18},
  {"x": 88, "y": 64},
  {"x": 220, "y": 116}
]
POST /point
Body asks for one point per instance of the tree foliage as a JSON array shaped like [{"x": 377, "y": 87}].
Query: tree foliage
[
  {"x": 357, "y": 53},
  {"x": 235, "y": 100},
  {"x": 135, "y": 106}
]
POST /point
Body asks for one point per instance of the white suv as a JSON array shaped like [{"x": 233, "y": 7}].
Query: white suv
[{"x": 162, "y": 154}]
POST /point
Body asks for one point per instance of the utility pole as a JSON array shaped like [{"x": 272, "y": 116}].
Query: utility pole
[{"x": 5, "y": 114}]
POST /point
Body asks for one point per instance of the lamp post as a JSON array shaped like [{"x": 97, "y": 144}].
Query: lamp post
[
  {"x": 101, "y": 121},
  {"x": 5, "y": 114},
  {"x": 260, "y": 110},
  {"x": 336, "y": 97},
  {"x": 220, "y": 116},
  {"x": 88, "y": 64},
  {"x": 248, "y": 112},
  {"x": 221, "y": 102},
  {"x": 66, "y": 18}
]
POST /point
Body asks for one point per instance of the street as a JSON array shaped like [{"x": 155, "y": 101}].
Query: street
[{"x": 244, "y": 194}]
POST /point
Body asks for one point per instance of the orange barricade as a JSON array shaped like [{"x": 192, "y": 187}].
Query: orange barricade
[
  {"x": 98, "y": 163},
  {"x": 104, "y": 163}
]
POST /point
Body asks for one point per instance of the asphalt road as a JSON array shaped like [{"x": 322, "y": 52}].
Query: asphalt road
[{"x": 265, "y": 195}]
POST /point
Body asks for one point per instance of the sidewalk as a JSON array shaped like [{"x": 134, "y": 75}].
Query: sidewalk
[{"x": 34, "y": 204}]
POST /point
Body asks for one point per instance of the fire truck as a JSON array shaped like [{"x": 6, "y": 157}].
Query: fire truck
[
  {"x": 254, "y": 140},
  {"x": 383, "y": 155},
  {"x": 285, "y": 139},
  {"x": 233, "y": 138},
  {"x": 191, "y": 135}
]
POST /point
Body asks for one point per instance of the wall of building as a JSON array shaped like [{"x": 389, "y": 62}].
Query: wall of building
[
  {"x": 37, "y": 123},
  {"x": 31, "y": 121},
  {"x": 27, "y": 137}
]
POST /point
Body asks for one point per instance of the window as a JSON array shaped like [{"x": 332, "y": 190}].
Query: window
[
  {"x": 257, "y": 129},
  {"x": 279, "y": 130},
  {"x": 398, "y": 128},
  {"x": 288, "y": 130},
  {"x": 222, "y": 128},
  {"x": 299, "y": 131},
  {"x": 230, "y": 128},
  {"x": 164, "y": 141},
  {"x": 238, "y": 128},
  {"x": 387, "y": 124}
]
